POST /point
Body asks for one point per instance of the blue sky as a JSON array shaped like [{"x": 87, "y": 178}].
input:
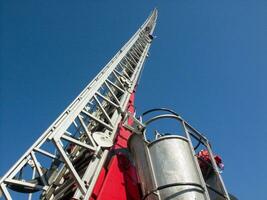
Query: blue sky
[{"x": 208, "y": 63}]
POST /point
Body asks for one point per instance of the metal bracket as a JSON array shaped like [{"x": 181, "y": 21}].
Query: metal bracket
[{"x": 131, "y": 123}]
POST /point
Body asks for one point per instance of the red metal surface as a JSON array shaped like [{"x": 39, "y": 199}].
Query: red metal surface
[
  {"x": 99, "y": 184},
  {"x": 119, "y": 180}
]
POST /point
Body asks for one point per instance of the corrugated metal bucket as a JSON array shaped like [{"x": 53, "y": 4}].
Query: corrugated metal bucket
[{"x": 167, "y": 166}]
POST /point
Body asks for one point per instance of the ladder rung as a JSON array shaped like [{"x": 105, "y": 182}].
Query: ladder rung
[
  {"x": 77, "y": 142},
  {"x": 24, "y": 183},
  {"x": 46, "y": 153},
  {"x": 114, "y": 85},
  {"x": 103, "y": 110},
  {"x": 70, "y": 167},
  {"x": 131, "y": 63},
  {"x": 132, "y": 58},
  {"x": 87, "y": 131},
  {"x": 122, "y": 75},
  {"x": 98, "y": 120},
  {"x": 116, "y": 73},
  {"x": 108, "y": 100},
  {"x": 39, "y": 170},
  {"x": 112, "y": 93},
  {"x": 127, "y": 67}
]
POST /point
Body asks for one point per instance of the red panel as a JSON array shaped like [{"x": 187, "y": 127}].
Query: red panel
[
  {"x": 132, "y": 186},
  {"x": 114, "y": 185},
  {"x": 98, "y": 184}
]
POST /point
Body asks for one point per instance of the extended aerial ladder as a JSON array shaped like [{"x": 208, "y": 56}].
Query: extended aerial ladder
[{"x": 81, "y": 155}]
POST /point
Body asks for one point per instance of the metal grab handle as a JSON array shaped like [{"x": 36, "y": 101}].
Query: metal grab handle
[{"x": 159, "y": 109}]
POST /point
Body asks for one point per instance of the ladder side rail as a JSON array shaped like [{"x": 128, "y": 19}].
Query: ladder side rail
[
  {"x": 224, "y": 190},
  {"x": 187, "y": 133}
]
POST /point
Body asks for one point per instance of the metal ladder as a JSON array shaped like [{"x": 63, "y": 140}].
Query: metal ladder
[{"x": 66, "y": 160}]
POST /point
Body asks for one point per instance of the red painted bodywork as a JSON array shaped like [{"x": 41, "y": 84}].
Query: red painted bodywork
[{"x": 118, "y": 180}]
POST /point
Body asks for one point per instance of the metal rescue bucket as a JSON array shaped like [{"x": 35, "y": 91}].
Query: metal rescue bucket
[{"x": 167, "y": 169}]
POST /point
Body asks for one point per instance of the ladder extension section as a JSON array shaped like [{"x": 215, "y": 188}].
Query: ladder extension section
[{"x": 66, "y": 160}]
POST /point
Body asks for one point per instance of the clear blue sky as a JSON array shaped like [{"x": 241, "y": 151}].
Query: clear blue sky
[{"x": 208, "y": 63}]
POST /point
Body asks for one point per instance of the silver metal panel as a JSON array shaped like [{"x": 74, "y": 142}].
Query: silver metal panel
[
  {"x": 173, "y": 162},
  {"x": 215, "y": 183},
  {"x": 139, "y": 151}
]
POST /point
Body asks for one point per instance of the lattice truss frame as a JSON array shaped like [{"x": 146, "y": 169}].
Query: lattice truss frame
[{"x": 67, "y": 158}]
